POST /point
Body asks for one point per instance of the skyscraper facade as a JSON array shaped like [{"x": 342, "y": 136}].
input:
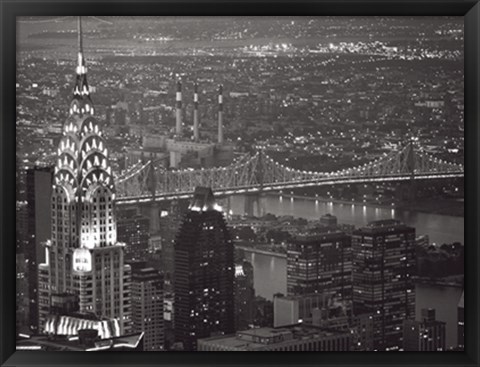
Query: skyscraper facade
[
  {"x": 204, "y": 273},
  {"x": 168, "y": 229},
  {"x": 37, "y": 230},
  {"x": 244, "y": 295},
  {"x": 383, "y": 266},
  {"x": 147, "y": 307},
  {"x": 83, "y": 256},
  {"x": 133, "y": 230},
  {"x": 320, "y": 263},
  {"x": 21, "y": 296}
]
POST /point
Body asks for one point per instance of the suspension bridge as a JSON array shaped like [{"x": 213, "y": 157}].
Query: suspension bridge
[{"x": 256, "y": 173}]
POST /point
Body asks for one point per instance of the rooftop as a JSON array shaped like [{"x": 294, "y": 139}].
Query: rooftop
[
  {"x": 253, "y": 339},
  {"x": 319, "y": 235},
  {"x": 72, "y": 343},
  {"x": 380, "y": 226},
  {"x": 203, "y": 200}
]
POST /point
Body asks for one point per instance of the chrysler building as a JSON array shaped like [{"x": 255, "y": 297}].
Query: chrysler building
[{"x": 83, "y": 257}]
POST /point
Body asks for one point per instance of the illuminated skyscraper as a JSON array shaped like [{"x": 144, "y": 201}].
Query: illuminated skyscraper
[
  {"x": 83, "y": 256},
  {"x": 320, "y": 262},
  {"x": 204, "y": 273},
  {"x": 383, "y": 266}
]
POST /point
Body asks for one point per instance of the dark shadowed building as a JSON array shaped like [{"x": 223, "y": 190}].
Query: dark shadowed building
[
  {"x": 39, "y": 181},
  {"x": 328, "y": 220},
  {"x": 461, "y": 323},
  {"x": 426, "y": 335},
  {"x": 147, "y": 307},
  {"x": 204, "y": 273},
  {"x": 169, "y": 226},
  {"x": 244, "y": 296}
]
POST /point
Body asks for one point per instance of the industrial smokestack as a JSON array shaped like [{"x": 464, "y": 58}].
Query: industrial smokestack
[
  {"x": 195, "y": 112},
  {"x": 220, "y": 114},
  {"x": 178, "y": 125}
]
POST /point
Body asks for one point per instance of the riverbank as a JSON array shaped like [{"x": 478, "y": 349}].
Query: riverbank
[
  {"x": 455, "y": 281},
  {"x": 440, "y": 206}
]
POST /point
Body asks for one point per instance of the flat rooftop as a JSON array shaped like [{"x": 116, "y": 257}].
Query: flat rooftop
[{"x": 245, "y": 339}]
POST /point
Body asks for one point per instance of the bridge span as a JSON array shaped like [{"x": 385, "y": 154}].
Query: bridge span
[{"x": 257, "y": 173}]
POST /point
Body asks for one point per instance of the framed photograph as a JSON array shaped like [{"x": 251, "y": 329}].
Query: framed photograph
[{"x": 198, "y": 179}]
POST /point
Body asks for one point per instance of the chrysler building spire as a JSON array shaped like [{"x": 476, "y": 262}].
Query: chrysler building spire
[
  {"x": 81, "y": 101},
  {"x": 80, "y": 35},
  {"x": 83, "y": 171}
]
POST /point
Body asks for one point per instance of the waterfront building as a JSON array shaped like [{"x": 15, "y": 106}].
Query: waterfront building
[
  {"x": 319, "y": 263},
  {"x": 383, "y": 266},
  {"x": 328, "y": 220},
  {"x": 204, "y": 273},
  {"x": 427, "y": 335},
  {"x": 83, "y": 256}
]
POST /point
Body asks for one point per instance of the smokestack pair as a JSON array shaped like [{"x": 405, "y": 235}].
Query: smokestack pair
[
  {"x": 195, "y": 112},
  {"x": 220, "y": 114},
  {"x": 178, "y": 128},
  {"x": 178, "y": 125}
]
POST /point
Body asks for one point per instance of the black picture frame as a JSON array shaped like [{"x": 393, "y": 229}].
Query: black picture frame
[{"x": 10, "y": 9}]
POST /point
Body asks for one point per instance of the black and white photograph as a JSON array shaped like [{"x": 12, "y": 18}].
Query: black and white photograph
[{"x": 240, "y": 183}]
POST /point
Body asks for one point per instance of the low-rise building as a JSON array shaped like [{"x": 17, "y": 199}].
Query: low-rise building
[
  {"x": 426, "y": 335},
  {"x": 290, "y": 338}
]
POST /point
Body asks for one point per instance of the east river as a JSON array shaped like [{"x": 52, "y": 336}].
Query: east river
[{"x": 270, "y": 272}]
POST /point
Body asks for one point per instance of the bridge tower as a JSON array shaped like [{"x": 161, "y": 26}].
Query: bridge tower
[
  {"x": 154, "y": 207},
  {"x": 410, "y": 165},
  {"x": 255, "y": 202},
  {"x": 261, "y": 179}
]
